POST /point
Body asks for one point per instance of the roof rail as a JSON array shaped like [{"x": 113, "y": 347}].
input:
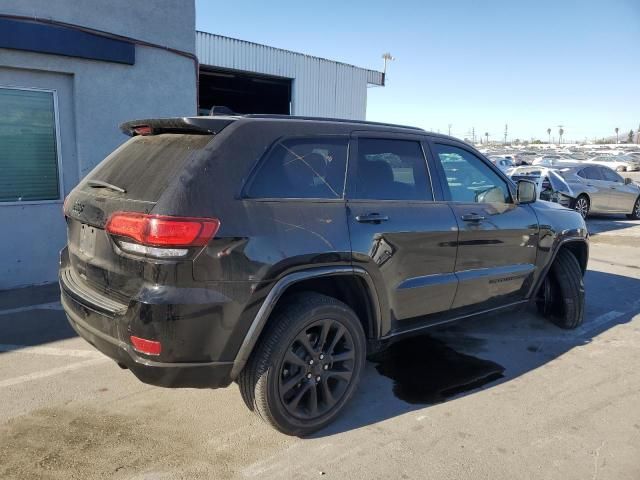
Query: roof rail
[{"x": 326, "y": 119}]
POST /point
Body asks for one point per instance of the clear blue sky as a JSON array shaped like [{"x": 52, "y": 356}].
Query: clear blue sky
[{"x": 468, "y": 63}]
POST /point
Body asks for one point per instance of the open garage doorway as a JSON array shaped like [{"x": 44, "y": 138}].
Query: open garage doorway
[{"x": 243, "y": 92}]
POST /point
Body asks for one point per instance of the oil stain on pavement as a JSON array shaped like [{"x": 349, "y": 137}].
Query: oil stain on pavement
[{"x": 425, "y": 370}]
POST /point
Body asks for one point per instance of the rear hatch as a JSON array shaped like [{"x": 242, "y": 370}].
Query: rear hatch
[{"x": 131, "y": 179}]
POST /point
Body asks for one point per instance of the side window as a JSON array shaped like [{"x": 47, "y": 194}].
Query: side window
[
  {"x": 390, "y": 170},
  {"x": 582, "y": 173},
  {"x": 611, "y": 176},
  {"x": 310, "y": 167},
  {"x": 469, "y": 179},
  {"x": 592, "y": 173}
]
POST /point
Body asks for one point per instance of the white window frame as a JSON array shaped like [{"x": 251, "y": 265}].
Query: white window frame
[{"x": 56, "y": 119}]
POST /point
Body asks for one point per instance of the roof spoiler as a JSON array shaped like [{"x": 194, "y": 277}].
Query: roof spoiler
[{"x": 192, "y": 125}]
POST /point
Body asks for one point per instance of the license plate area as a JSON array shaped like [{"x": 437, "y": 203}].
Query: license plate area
[{"x": 87, "y": 245}]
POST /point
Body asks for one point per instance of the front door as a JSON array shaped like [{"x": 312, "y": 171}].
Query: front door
[
  {"x": 497, "y": 239},
  {"x": 399, "y": 234},
  {"x": 598, "y": 189}
]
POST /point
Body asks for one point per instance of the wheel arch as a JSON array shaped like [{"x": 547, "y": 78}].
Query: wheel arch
[
  {"x": 352, "y": 286},
  {"x": 577, "y": 246},
  {"x": 579, "y": 249},
  {"x": 584, "y": 193}
]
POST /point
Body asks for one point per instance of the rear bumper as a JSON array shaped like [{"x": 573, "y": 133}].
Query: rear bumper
[{"x": 163, "y": 374}]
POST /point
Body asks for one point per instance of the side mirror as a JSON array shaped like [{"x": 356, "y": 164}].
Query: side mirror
[
  {"x": 526, "y": 192},
  {"x": 628, "y": 181}
]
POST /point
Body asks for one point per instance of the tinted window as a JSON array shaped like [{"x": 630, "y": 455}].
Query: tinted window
[
  {"x": 592, "y": 173},
  {"x": 28, "y": 149},
  {"x": 391, "y": 170},
  {"x": 145, "y": 165},
  {"x": 470, "y": 179},
  {"x": 610, "y": 175},
  {"x": 311, "y": 167}
]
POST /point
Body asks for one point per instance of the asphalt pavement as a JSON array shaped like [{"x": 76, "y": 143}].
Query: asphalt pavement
[{"x": 502, "y": 397}]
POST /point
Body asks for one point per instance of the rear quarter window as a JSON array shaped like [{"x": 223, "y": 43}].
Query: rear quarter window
[{"x": 303, "y": 167}]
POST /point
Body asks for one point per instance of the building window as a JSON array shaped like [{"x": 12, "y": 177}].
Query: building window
[{"x": 28, "y": 146}]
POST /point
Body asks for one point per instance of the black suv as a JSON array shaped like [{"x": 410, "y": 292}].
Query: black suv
[{"x": 278, "y": 252}]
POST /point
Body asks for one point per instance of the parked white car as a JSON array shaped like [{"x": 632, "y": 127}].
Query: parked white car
[
  {"x": 548, "y": 160},
  {"x": 619, "y": 163},
  {"x": 503, "y": 163}
]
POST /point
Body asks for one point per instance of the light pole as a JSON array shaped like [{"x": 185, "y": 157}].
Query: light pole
[
  {"x": 449, "y": 129},
  {"x": 617, "y": 139},
  {"x": 486, "y": 134},
  {"x": 387, "y": 57},
  {"x": 549, "y": 133}
]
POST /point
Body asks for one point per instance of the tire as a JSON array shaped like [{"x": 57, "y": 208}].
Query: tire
[
  {"x": 635, "y": 214},
  {"x": 279, "y": 371},
  {"x": 621, "y": 169},
  {"x": 582, "y": 206},
  {"x": 561, "y": 297}
]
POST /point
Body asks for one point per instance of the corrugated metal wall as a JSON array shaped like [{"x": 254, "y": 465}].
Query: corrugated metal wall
[{"x": 321, "y": 87}]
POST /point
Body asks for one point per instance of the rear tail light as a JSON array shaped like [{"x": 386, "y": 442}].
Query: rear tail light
[
  {"x": 148, "y": 347},
  {"x": 161, "y": 236}
]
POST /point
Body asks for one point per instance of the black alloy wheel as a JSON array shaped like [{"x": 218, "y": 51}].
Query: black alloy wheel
[
  {"x": 316, "y": 369},
  {"x": 306, "y": 365}
]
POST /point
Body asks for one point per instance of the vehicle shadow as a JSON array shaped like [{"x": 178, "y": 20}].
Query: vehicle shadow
[
  {"x": 32, "y": 316},
  {"x": 466, "y": 357},
  {"x": 609, "y": 223}
]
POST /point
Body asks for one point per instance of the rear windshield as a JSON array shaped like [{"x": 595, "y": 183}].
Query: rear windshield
[{"x": 145, "y": 165}]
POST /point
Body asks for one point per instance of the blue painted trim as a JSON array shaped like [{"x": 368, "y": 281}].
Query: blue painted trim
[{"x": 61, "y": 40}]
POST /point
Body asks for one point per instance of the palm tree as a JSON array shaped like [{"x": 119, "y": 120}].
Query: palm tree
[
  {"x": 549, "y": 133},
  {"x": 560, "y": 132},
  {"x": 617, "y": 139}
]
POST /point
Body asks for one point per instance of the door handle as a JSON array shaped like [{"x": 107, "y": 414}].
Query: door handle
[
  {"x": 371, "y": 218},
  {"x": 472, "y": 217}
]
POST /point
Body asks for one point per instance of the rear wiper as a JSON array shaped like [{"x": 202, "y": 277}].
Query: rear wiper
[{"x": 110, "y": 186}]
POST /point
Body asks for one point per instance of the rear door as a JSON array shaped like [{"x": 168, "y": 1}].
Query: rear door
[
  {"x": 399, "y": 234},
  {"x": 497, "y": 239}
]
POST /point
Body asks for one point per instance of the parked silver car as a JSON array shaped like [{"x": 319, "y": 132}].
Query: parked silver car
[{"x": 599, "y": 189}]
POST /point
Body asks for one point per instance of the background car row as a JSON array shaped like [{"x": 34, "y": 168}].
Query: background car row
[{"x": 587, "y": 180}]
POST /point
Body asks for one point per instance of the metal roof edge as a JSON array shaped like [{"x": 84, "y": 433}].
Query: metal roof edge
[{"x": 370, "y": 73}]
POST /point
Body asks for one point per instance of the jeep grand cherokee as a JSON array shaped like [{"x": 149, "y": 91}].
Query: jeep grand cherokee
[{"x": 277, "y": 252}]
